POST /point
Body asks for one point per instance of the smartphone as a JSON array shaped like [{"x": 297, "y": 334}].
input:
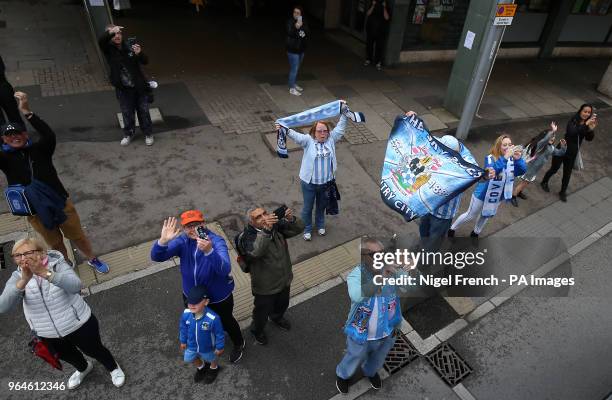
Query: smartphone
[
  {"x": 299, "y": 19},
  {"x": 131, "y": 41},
  {"x": 280, "y": 212},
  {"x": 202, "y": 233}
]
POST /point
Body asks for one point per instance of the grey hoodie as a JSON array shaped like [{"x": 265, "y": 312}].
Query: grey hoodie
[{"x": 52, "y": 309}]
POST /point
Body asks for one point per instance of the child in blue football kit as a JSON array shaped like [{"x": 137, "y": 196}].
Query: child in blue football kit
[{"x": 201, "y": 336}]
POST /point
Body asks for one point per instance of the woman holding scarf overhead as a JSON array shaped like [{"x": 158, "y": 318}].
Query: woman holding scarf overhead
[
  {"x": 580, "y": 127},
  {"x": 507, "y": 162},
  {"x": 318, "y": 168}
]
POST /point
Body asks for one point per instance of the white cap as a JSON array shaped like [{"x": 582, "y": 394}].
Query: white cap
[{"x": 451, "y": 142}]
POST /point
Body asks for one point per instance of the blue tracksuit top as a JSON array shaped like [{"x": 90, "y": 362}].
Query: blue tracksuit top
[
  {"x": 203, "y": 335},
  {"x": 499, "y": 165},
  {"x": 212, "y": 270}
]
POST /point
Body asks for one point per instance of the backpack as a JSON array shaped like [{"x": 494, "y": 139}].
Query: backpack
[{"x": 242, "y": 258}]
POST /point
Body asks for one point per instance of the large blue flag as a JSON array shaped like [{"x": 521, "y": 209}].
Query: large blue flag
[{"x": 420, "y": 173}]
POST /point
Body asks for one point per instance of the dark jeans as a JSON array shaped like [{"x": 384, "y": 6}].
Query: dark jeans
[
  {"x": 8, "y": 104},
  {"x": 86, "y": 339},
  {"x": 271, "y": 306},
  {"x": 130, "y": 102},
  {"x": 313, "y": 193},
  {"x": 432, "y": 229},
  {"x": 568, "y": 166},
  {"x": 375, "y": 44},
  {"x": 225, "y": 310}
]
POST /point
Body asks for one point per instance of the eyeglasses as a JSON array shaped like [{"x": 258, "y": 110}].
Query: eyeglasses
[
  {"x": 18, "y": 256},
  {"x": 193, "y": 225}
]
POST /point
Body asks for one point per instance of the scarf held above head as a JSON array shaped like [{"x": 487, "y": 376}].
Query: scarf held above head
[{"x": 311, "y": 116}]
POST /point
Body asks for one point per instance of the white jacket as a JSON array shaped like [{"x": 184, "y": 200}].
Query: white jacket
[
  {"x": 310, "y": 152},
  {"x": 52, "y": 309}
]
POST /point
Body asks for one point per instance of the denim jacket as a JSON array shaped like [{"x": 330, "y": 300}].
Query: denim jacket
[
  {"x": 310, "y": 152},
  {"x": 389, "y": 310}
]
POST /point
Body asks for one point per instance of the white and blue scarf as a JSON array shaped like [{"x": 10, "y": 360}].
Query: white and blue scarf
[
  {"x": 501, "y": 184},
  {"x": 311, "y": 116}
]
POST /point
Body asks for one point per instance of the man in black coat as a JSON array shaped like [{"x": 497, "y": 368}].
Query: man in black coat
[
  {"x": 125, "y": 60},
  {"x": 8, "y": 105},
  {"x": 30, "y": 163}
]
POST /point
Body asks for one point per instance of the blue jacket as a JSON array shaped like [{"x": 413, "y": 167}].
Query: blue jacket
[
  {"x": 310, "y": 151},
  {"x": 499, "y": 166},
  {"x": 356, "y": 326},
  {"x": 48, "y": 205},
  {"x": 203, "y": 335},
  {"x": 212, "y": 270}
]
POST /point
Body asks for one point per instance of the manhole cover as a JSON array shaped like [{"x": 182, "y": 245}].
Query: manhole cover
[
  {"x": 448, "y": 364},
  {"x": 5, "y": 255},
  {"x": 401, "y": 354}
]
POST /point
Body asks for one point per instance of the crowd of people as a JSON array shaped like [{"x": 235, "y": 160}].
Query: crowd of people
[{"x": 49, "y": 289}]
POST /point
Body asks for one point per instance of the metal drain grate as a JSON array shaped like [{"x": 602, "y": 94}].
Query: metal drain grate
[
  {"x": 400, "y": 355},
  {"x": 448, "y": 364}
]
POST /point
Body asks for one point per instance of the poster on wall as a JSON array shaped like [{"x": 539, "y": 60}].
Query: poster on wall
[
  {"x": 434, "y": 9},
  {"x": 419, "y": 12},
  {"x": 448, "y": 5}
]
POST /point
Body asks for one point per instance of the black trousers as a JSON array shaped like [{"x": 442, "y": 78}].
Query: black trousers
[
  {"x": 130, "y": 102},
  {"x": 86, "y": 340},
  {"x": 225, "y": 310},
  {"x": 271, "y": 306},
  {"x": 8, "y": 104},
  {"x": 375, "y": 44},
  {"x": 568, "y": 166}
]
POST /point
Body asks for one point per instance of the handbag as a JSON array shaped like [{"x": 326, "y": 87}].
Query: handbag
[
  {"x": 16, "y": 198},
  {"x": 41, "y": 348},
  {"x": 578, "y": 164}
]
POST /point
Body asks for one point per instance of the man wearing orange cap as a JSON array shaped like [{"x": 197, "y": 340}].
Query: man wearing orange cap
[{"x": 204, "y": 261}]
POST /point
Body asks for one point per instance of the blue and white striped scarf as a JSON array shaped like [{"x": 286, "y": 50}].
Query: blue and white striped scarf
[
  {"x": 311, "y": 116},
  {"x": 499, "y": 188}
]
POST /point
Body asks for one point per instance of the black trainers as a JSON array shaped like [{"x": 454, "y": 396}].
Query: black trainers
[
  {"x": 544, "y": 186},
  {"x": 236, "y": 353},
  {"x": 473, "y": 234},
  {"x": 342, "y": 385},
  {"x": 451, "y": 233},
  {"x": 201, "y": 373},
  {"x": 375, "y": 381},
  {"x": 522, "y": 195},
  {"x": 283, "y": 324},
  {"x": 563, "y": 197},
  {"x": 211, "y": 375},
  {"x": 260, "y": 338},
  {"x": 514, "y": 201}
]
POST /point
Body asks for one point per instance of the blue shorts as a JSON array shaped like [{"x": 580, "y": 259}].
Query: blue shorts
[{"x": 191, "y": 355}]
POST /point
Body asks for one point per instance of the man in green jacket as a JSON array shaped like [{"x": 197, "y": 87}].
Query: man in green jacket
[{"x": 263, "y": 244}]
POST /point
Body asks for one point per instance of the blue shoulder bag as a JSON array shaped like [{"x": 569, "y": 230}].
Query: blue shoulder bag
[{"x": 16, "y": 198}]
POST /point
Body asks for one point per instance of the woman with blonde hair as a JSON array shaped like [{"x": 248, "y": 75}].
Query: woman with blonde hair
[
  {"x": 318, "y": 168},
  {"x": 506, "y": 161},
  {"x": 54, "y": 309}
]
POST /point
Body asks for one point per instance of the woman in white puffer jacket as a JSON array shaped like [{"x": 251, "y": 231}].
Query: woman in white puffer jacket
[{"x": 54, "y": 309}]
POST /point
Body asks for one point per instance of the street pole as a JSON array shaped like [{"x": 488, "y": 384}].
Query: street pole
[{"x": 492, "y": 38}]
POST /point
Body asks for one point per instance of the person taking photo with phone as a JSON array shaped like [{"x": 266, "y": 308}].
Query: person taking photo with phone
[
  {"x": 297, "y": 38},
  {"x": 125, "y": 60},
  {"x": 204, "y": 260},
  {"x": 263, "y": 245}
]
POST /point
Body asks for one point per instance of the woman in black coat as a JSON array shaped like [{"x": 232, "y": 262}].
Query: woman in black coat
[
  {"x": 8, "y": 104},
  {"x": 581, "y": 126}
]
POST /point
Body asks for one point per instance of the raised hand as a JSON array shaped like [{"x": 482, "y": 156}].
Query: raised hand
[
  {"x": 553, "y": 126},
  {"x": 269, "y": 220},
  {"x": 169, "y": 231},
  {"x": 204, "y": 245},
  {"x": 22, "y": 102}
]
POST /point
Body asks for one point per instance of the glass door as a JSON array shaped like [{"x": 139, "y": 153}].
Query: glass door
[{"x": 354, "y": 17}]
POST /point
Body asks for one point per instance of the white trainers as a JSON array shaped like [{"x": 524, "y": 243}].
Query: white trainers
[
  {"x": 321, "y": 232},
  {"x": 294, "y": 92},
  {"x": 75, "y": 379},
  {"x": 299, "y": 88},
  {"x": 126, "y": 140},
  {"x": 307, "y": 237},
  {"x": 118, "y": 376},
  {"x": 149, "y": 140}
]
